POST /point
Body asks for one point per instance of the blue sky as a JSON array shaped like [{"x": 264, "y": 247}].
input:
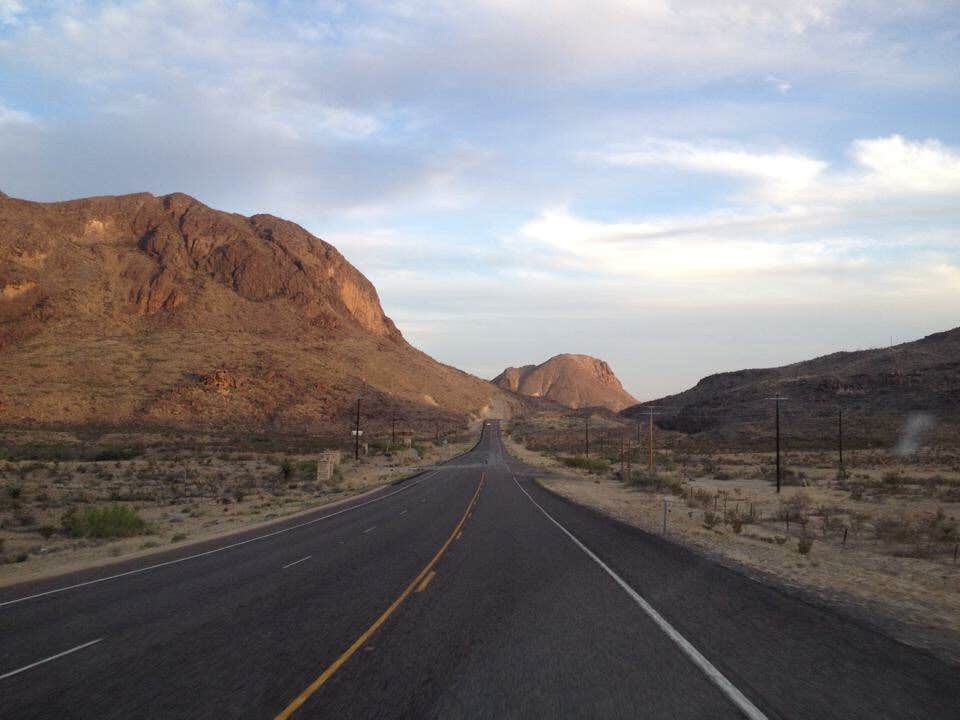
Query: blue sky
[{"x": 676, "y": 187}]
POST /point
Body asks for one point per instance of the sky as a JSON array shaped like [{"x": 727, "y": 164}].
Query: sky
[{"x": 678, "y": 187}]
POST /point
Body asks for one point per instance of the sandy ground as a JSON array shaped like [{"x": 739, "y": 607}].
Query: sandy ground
[
  {"x": 917, "y": 599},
  {"x": 185, "y": 500}
]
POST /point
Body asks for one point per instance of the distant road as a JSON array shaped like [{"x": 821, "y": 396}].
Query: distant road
[{"x": 466, "y": 592}]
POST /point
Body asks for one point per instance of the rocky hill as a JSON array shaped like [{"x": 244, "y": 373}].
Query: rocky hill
[
  {"x": 574, "y": 381},
  {"x": 161, "y": 309},
  {"x": 880, "y": 391}
]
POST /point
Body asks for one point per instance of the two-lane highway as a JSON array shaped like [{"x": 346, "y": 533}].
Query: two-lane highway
[{"x": 466, "y": 592}]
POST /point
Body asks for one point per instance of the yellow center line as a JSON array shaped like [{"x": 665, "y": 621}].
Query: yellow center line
[
  {"x": 360, "y": 641},
  {"x": 426, "y": 581}
]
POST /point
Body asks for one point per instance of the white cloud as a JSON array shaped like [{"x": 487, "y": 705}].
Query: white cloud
[
  {"x": 782, "y": 86},
  {"x": 679, "y": 251},
  {"x": 782, "y": 172},
  {"x": 14, "y": 117},
  {"x": 882, "y": 168},
  {"x": 895, "y": 166},
  {"x": 10, "y": 10}
]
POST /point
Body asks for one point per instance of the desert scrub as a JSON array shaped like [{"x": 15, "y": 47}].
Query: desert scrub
[
  {"x": 652, "y": 481},
  {"x": 804, "y": 545},
  {"x": 585, "y": 463},
  {"x": 107, "y": 521}
]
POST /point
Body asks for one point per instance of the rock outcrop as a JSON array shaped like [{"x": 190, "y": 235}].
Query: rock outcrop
[{"x": 575, "y": 381}]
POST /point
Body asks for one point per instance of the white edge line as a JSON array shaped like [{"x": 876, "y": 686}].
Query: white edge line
[
  {"x": 708, "y": 668},
  {"x": 46, "y": 660},
  {"x": 296, "y": 562},
  {"x": 369, "y": 529},
  {"x": 216, "y": 550}
]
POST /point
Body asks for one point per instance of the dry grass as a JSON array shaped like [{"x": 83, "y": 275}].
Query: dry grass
[{"x": 184, "y": 489}]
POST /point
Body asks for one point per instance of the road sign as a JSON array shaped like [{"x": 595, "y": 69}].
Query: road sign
[{"x": 356, "y": 432}]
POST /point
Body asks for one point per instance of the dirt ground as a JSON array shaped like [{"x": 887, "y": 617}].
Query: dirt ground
[
  {"x": 184, "y": 495},
  {"x": 881, "y": 540}
]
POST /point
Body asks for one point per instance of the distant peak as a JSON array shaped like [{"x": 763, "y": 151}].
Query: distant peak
[{"x": 569, "y": 379}]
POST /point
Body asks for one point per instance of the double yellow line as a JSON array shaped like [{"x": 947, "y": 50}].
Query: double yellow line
[{"x": 360, "y": 641}]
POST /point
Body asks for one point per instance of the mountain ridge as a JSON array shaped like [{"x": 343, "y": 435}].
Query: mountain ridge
[
  {"x": 160, "y": 308},
  {"x": 877, "y": 388}
]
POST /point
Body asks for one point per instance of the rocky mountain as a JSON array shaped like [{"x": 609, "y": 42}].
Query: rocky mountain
[
  {"x": 161, "y": 309},
  {"x": 881, "y": 393},
  {"x": 575, "y": 381}
]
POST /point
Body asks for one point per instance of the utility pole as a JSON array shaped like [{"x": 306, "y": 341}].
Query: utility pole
[
  {"x": 650, "y": 423},
  {"x": 622, "y": 456},
  {"x": 356, "y": 435},
  {"x": 777, "y": 400},
  {"x": 586, "y": 435},
  {"x": 840, "y": 438},
  {"x": 436, "y": 424},
  {"x": 393, "y": 431}
]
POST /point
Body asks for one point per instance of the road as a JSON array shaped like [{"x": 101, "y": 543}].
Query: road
[{"x": 466, "y": 592}]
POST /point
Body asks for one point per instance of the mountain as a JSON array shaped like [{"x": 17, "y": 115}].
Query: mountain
[
  {"x": 879, "y": 391},
  {"x": 161, "y": 309},
  {"x": 575, "y": 381}
]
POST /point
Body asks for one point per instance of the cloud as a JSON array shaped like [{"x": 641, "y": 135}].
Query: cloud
[
  {"x": 782, "y": 173},
  {"x": 14, "y": 117},
  {"x": 661, "y": 251},
  {"x": 782, "y": 86},
  {"x": 881, "y": 168},
  {"x": 896, "y": 166},
  {"x": 10, "y": 10}
]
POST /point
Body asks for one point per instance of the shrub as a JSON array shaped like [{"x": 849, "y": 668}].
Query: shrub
[
  {"x": 307, "y": 469},
  {"x": 118, "y": 453},
  {"x": 14, "y": 491},
  {"x": 895, "y": 529},
  {"x": 655, "y": 482},
  {"x": 892, "y": 479},
  {"x": 710, "y": 519},
  {"x": 736, "y": 522},
  {"x": 286, "y": 469},
  {"x": 585, "y": 463},
  {"x": 804, "y": 545},
  {"x": 179, "y": 537},
  {"x": 47, "y": 531},
  {"x": 699, "y": 496},
  {"x": 108, "y": 521},
  {"x": 856, "y": 491}
]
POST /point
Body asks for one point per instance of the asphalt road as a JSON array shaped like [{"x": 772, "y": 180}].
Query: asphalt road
[{"x": 466, "y": 592}]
